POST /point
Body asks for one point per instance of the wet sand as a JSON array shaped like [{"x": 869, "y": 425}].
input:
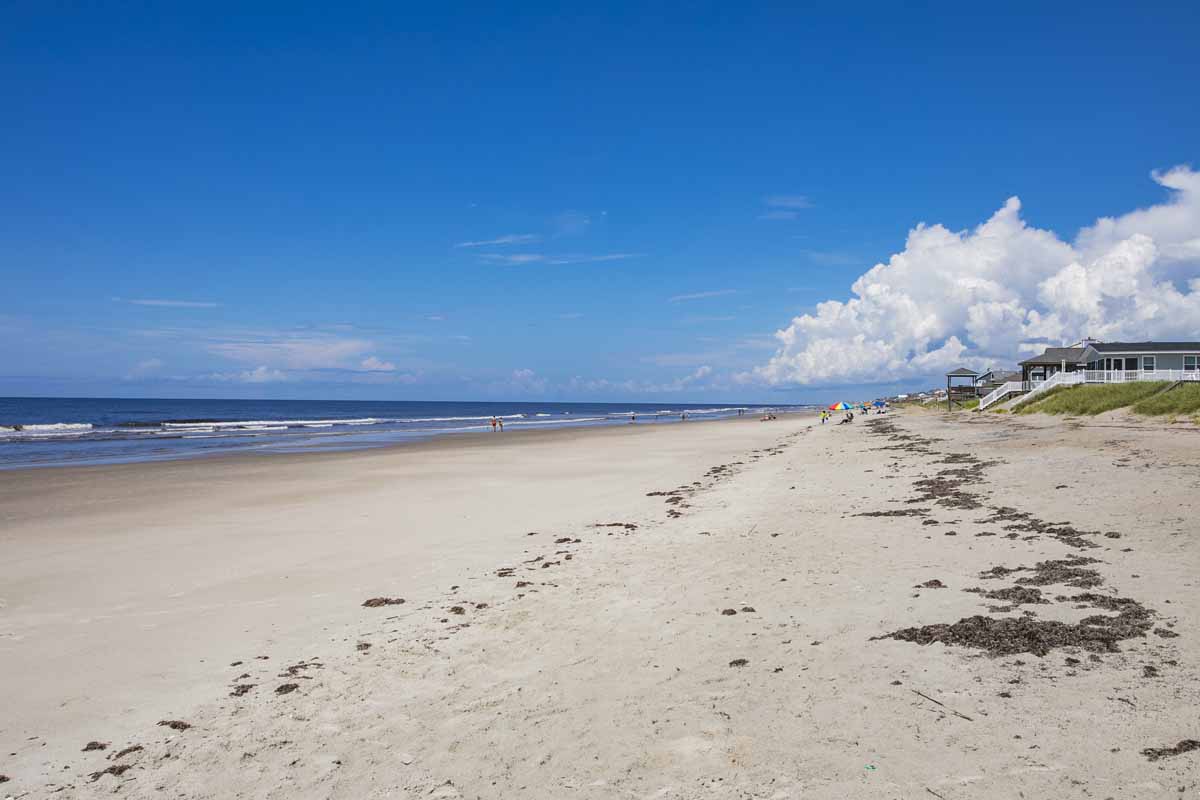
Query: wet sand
[{"x": 906, "y": 607}]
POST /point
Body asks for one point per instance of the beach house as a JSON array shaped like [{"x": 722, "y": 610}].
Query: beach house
[{"x": 1092, "y": 361}]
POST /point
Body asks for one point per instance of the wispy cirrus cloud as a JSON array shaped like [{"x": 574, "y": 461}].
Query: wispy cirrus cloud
[
  {"x": 681, "y": 298},
  {"x": 169, "y": 303},
  {"x": 542, "y": 258},
  {"x": 785, "y": 206},
  {"x": 511, "y": 238}
]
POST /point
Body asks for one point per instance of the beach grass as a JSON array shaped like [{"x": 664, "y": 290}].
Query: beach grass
[
  {"x": 1091, "y": 399},
  {"x": 1180, "y": 401}
]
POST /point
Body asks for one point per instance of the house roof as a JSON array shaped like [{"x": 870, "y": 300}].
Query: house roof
[
  {"x": 1003, "y": 375},
  {"x": 1055, "y": 356},
  {"x": 1145, "y": 347},
  {"x": 961, "y": 372}
]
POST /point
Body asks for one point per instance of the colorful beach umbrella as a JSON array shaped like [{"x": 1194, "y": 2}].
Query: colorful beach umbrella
[
  {"x": 879, "y": 404},
  {"x": 840, "y": 407}
]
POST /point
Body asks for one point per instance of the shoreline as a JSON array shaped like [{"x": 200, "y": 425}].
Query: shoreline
[{"x": 352, "y": 446}]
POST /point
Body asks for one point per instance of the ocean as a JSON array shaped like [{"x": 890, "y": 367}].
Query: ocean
[{"x": 37, "y": 432}]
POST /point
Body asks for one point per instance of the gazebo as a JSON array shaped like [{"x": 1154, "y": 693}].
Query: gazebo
[{"x": 962, "y": 373}]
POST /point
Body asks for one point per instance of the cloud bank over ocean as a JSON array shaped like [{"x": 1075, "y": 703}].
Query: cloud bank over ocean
[{"x": 990, "y": 295}]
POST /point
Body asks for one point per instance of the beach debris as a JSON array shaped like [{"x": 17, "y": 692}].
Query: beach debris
[
  {"x": 505, "y": 572},
  {"x": 457, "y": 610},
  {"x": 116, "y": 770},
  {"x": 295, "y": 669},
  {"x": 362, "y": 647},
  {"x": 629, "y": 526},
  {"x": 1164, "y": 633},
  {"x": 236, "y": 664},
  {"x": 95, "y": 746},
  {"x": 1016, "y": 595},
  {"x": 1149, "y": 671},
  {"x": 286, "y": 688},
  {"x": 127, "y": 751},
  {"x": 729, "y": 612},
  {"x": 523, "y": 584},
  {"x": 931, "y": 584},
  {"x": 175, "y": 724},
  {"x": 1069, "y": 571},
  {"x": 748, "y": 610},
  {"x": 241, "y": 689},
  {"x": 943, "y": 705},
  {"x": 1009, "y": 636},
  {"x": 4, "y": 779},
  {"x": 377, "y": 602},
  {"x": 1184, "y": 746},
  {"x": 896, "y": 512},
  {"x": 738, "y": 662}
]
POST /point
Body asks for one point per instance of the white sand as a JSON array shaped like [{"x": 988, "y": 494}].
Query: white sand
[{"x": 129, "y": 591}]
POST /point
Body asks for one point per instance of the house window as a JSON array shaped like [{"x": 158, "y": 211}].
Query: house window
[
  {"x": 1147, "y": 363},
  {"x": 1191, "y": 363}
]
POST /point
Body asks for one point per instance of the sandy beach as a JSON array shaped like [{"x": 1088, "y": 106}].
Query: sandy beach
[{"x": 909, "y": 606}]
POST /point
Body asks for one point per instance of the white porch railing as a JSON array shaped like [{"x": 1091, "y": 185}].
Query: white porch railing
[
  {"x": 1004, "y": 390},
  {"x": 1125, "y": 376},
  {"x": 1086, "y": 376}
]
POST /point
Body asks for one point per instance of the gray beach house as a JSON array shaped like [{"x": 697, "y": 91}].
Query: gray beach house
[{"x": 1091, "y": 361}]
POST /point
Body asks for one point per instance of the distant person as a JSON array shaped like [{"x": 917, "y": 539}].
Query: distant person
[
  {"x": 493, "y": 424},
  {"x": 501, "y": 422},
  {"x": 632, "y": 419}
]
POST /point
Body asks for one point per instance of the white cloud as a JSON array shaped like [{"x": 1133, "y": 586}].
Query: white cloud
[
  {"x": 679, "y": 298},
  {"x": 171, "y": 303},
  {"x": 785, "y": 206},
  {"x": 988, "y": 295},
  {"x": 295, "y": 351},
  {"x": 373, "y": 364},
  {"x": 789, "y": 201},
  {"x": 536, "y": 258},
  {"x": 512, "y": 238},
  {"x": 261, "y": 374}
]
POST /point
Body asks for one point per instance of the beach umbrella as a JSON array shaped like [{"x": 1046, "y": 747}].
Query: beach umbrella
[
  {"x": 880, "y": 404},
  {"x": 843, "y": 406}
]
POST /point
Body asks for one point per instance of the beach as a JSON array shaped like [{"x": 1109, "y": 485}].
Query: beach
[{"x": 914, "y": 605}]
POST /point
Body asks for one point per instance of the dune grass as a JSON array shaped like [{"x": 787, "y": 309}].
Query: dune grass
[
  {"x": 1182, "y": 400},
  {"x": 1093, "y": 399}
]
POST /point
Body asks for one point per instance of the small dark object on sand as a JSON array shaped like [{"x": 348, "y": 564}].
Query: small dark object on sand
[
  {"x": 738, "y": 662},
  {"x": 376, "y": 602},
  {"x": 236, "y": 664},
  {"x": 900, "y": 512},
  {"x": 457, "y": 610},
  {"x": 748, "y": 610},
  {"x": 287, "y": 688},
  {"x": 931, "y": 584},
  {"x": 362, "y": 647},
  {"x": 950, "y": 533},
  {"x": 563, "y": 540},
  {"x": 116, "y": 770},
  {"x": 1164, "y": 633},
  {"x": 95, "y": 746},
  {"x": 523, "y": 584},
  {"x": 1005, "y": 695},
  {"x": 4, "y": 779},
  {"x": 175, "y": 724},
  {"x": 241, "y": 689},
  {"x": 1184, "y": 746},
  {"x": 729, "y": 612},
  {"x": 128, "y": 751},
  {"x": 1149, "y": 671}
]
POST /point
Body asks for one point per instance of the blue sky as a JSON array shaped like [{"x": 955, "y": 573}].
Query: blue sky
[{"x": 474, "y": 202}]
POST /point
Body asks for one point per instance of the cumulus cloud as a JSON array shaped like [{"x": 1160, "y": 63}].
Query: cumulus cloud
[{"x": 985, "y": 296}]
